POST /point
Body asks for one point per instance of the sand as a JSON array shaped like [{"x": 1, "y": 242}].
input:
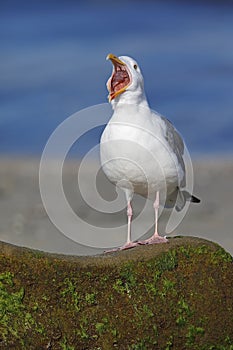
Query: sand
[{"x": 24, "y": 221}]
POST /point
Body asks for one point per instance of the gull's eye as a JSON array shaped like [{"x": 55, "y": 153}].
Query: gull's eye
[{"x": 135, "y": 66}]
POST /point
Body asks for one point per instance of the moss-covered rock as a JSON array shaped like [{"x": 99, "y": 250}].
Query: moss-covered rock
[{"x": 169, "y": 296}]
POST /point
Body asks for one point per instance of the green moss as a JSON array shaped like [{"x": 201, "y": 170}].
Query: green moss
[
  {"x": 65, "y": 346},
  {"x": 15, "y": 320},
  {"x": 126, "y": 281},
  {"x": 71, "y": 291},
  {"x": 172, "y": 296},
  {"x": 168, "y": 287},
  {"x": 220, "y": 255},
  {"x": 169, "y": 344},
  {"x": 141, "y": 345},
  {"x": 90, "y": 298},
  {"x": 147, "y": 311},
  {"x": 101, "y": 327},
  {"x": 184, "y": 313},
  {"x": 11, "y": 303},
  {"x": 193, "y": 332},
  {"x": 166, "y": 262},
  {"x": 127, "y": 275},
  {"x": 82, "y": 332},
  {"x": 227, "y": 344}
]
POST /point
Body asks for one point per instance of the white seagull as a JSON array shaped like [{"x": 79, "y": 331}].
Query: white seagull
[{"x": 141, "y": 152}]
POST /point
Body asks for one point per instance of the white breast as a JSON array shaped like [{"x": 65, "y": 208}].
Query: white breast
[{"x": 134, "y": 150}]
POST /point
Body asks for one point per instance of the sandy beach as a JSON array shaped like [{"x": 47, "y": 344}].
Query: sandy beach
[{"x": 24, "y": 221}]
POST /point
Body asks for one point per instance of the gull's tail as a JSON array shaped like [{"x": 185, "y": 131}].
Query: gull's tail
[{"x": 184, "y": 196}]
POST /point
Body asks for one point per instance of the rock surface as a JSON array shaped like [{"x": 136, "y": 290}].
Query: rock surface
[{"x": 169, "y": 296}]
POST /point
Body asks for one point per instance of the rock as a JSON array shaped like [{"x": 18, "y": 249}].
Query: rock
[{"x": 169, "y": 296}]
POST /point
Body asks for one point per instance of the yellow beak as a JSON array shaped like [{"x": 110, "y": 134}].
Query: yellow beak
[
  {"x": 115, "y": 59},
  {"x": 116, "y": 62}
]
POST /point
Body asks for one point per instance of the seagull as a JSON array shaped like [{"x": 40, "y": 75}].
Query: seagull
[{"x": 140, "y": 150}]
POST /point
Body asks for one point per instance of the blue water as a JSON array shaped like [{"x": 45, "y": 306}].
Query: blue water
[{"x": 52, "y": 64}]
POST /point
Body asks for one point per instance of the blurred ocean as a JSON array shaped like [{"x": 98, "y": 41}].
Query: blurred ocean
[{"x": 52, "y": 64}]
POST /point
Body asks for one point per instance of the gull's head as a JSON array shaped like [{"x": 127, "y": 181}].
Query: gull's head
[{"x": 126, "y": 82}]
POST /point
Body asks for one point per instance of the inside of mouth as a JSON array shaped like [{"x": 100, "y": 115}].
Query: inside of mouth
[{"x": 120, "y": 78}]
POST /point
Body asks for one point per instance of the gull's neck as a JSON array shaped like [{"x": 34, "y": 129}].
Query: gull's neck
[{"x": 130, "y": 98}]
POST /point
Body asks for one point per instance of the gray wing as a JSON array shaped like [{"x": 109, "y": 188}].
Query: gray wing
[
  {"x": 176, "y": 143},
  {"x": 179, "y": 197}
]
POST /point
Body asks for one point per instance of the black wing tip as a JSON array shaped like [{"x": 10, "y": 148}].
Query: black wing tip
[{"x": 195, "y": 199}]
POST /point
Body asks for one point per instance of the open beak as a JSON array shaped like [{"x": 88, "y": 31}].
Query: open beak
[{"x": 120, "y": 78}]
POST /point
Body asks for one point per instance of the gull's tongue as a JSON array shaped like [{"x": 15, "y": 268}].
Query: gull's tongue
[{"x": 120, "y": 79}]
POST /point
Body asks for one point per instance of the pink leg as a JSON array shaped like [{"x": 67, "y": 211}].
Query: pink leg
[
  {"x": 156, "y": 238},
  {"x": 129, "y": 214},
  {"x": 129, "y": 244}
]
